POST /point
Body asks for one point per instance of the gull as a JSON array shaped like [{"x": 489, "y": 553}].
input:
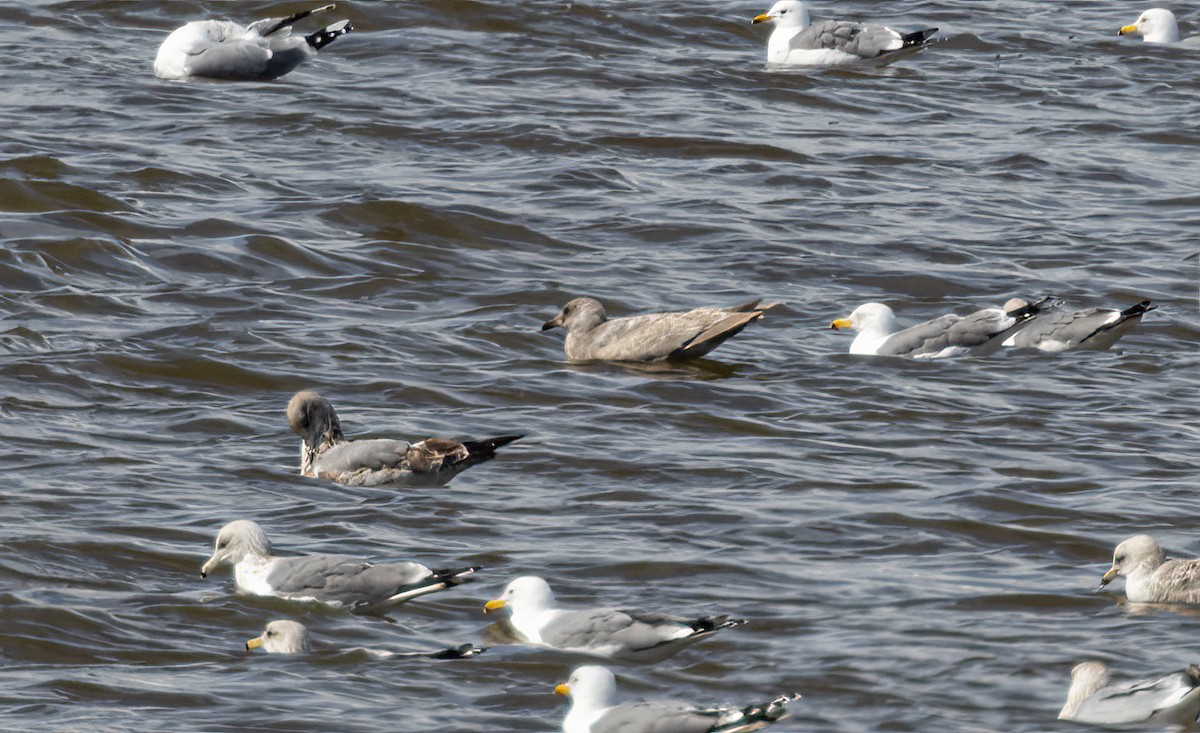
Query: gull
[
  {"x": 591, "y": 336},
  {"x": 833, "y": 43},
  {"x": 594, "y": 709},
  {"x": 981, "y": 332},
  {"x": 1157, "y": 25},
  {"x": 1172, "y": 698},
  {"x": 1150, "y": 577},
  {"x": 222, "y": 49},
  {"x": 284, "y": 636},
  {"x": 325, "y": 452},
  {"x": 1061, "y": 330},
  {"x": 603, "y": 632},
  {"x": 342, "y": 582}
]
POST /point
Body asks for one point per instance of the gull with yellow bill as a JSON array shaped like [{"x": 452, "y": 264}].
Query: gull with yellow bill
[
  {"x": 1158, "y": 25},
  {"x": 797, "y": 42},
  {"x": 1150, "y": 577}
]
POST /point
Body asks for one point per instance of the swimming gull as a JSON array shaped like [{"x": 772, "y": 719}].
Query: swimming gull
[
  {"x": 1157, "y": 25},
  {"x": 222, "y": 49},
  {"x": 325, "y": 452},
  {"x": 1062, "y": 330},
  {"x": 284, "y": 636},
  {"x": 594, "y": 709},
  {"x": 831, "y": 42},
  {"x": 1150, "y": 577},
  {"x": 979, "y": 333},
  {"x": 1171, "y": 698},
  {"x": 604, "y": 632},
  {"x": 345, "y": 582},
  {"x": 591, "y": 336}
]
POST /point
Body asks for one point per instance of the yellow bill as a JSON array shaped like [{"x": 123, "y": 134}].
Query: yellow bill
[
  {"x": 494, "y": 605},
  {"x": 563, "y": 689},
  {"x": 840, "y": 324},
  {"x": 254, "y": 643}
]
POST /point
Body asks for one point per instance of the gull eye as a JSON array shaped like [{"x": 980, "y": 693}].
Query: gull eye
[
  {"x": 1119, "y": 558},
  {"x": 781, "y": 12},
  {"x": 270, "y": 634}
]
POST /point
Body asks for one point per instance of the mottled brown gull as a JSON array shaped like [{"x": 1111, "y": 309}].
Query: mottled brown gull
[
  {"x": 1063, "y": 330},
  {"x": 603, "y": 632},
  {"x": 796, "y": 42},
  {"x": 325, "y": 452},
  {"x": 222, "y": 49},
  {"x": 284, "y": 636},
  {"x": 595, "y": 709},
  {"x": 344, "y": 582},
  {"x": 1172, "y": 698},
  {"x": 592, "y": 336},
  {"x": 1150, "y": 577}
]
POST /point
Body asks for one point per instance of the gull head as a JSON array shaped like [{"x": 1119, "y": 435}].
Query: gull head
[
  {"x": 590, "y": 687},
  {"x": 785, "y": 14},
  {"x": 1131, "y": 555},
  {"x": 582, "y": 313},
  {"x": 527, "y": 594},
  {"x": 313, "y": 418},
  {"x": 236, "y": 541},
  {"x": 875, "y": 319},
  {"x": 281, "y": 637},
  {"x": 1087, "y": 678},
  {"x": 1156, "y": 25}
]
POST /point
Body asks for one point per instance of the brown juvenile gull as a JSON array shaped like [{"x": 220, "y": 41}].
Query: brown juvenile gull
[
  {"x": 833, "y": 42},
  {"x": 591, "y": 336},
  {"x": 339, "y": 581},
  {"x": 325, "y": 452},
  {"x": 594, "y": 709},
  {"x": 284, "y": 636},
  {"x": 1172, "y": 698},
  {"x": 979, "y": 333},
  {"x": 1150, "y": 577},
  {"x": 603, "y": 632},
  {"x": 222, "y": 49},
  {"x": 1062, "y": 330}
]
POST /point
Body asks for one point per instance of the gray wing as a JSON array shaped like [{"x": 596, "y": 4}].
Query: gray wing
[
  {"x": 628, "y": 631},
  {"x": 333, "y": 578},
  {"x": 979, "y": 328},
  {"x": 236, "y": 60},
  {"x": 1135, "y": 702},
  {"x": 1176, "y": 581},
  {"x": 929, "y": 337},
  {"x": 866, "y": 41},
  {"x": 358, "y": 454},
  {"x": 1066, "y": 327},
  {"x": 654, "y": 717}
]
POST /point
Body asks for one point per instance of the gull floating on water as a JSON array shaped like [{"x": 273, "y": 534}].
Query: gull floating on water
[
  {"x": 222, "y": 49},
  {"x": 594, "y": 709},
  {"x": 1157, "y": 25},
  {"x": 603, "y": 632},
  {"x": 344, "y": 582},
  {"x": 1061, "y": 330},
  {"x": 981, "y": 332},
  {"x": 325, "y": 452},
  {"x": 1150, "y": 577},
  {"x": 291, "y": 637},
  {"x": 591, "y": 336},
  {"x": 1172, "y": 698},
  {"x": 831, "y": 42}
]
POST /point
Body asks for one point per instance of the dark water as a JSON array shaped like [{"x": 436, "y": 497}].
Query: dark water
[{"x": 916, "y": 545}]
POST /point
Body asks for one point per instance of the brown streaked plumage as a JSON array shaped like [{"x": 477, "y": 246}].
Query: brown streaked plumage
[{"x": 1150, "y": 577}]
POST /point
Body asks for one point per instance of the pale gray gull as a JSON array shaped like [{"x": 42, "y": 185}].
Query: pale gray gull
[
  {"x": 325, "y": 452},
  {"x": 222, "y": 49},
  {"x": 591, "y": 336},
  {"x": 796, "y": 42},
  {"x": 1150, "y": 577},
  {"x": 1158, "y": 25},
  {"x": 1172, "y": 698},
  {"x": 1063, "y": 330},
  {"x": 284, "y": 636},
  {"x": 594, "y": 709},
  {"x": 603, "y": 632},
  {"x": 979, "y": 333},
  {"x": 344, "y": 582}
]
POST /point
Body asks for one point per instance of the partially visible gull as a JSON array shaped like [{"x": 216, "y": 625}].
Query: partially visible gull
[
  {"x": 344, "y": 582},
  {"x": 603, "y": 632},
  {"x": 591, "y": 336},
  {"x": 222, "y": 49},
  {"x": 979, "y": 333},
  {"x": 325, "y": 452},
  {"x": 1157, "y": 25},
  {"x": 1172, "y": 698},
  {"x": 831, "y": 42},
  {"x": 594, "y": 709},
  {"x": 291, "y": 637},
  {"x": 1150, "y": 577},
  {"x": 1062, "y": 330}
]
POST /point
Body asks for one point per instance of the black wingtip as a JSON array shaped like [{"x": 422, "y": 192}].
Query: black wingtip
[
  {"x": 462, "y": 651},
  {"x": 456, "y": 576},
  {"x": 1139, "y": 309},
  {"x": 918, "y": 38},
  {"x": 326, "y": 35},
  {"x": 486, "y": 449}
]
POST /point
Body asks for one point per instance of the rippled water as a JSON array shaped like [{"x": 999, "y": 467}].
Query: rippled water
[{"x": 916, "y": 545}]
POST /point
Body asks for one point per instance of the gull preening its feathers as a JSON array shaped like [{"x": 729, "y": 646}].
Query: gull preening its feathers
[
  {"x": 795, "y": 41},
  {"x": 1170, "y": 699}
]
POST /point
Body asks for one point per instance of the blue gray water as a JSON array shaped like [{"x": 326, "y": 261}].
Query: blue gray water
[{"x": 915, "y": 545}]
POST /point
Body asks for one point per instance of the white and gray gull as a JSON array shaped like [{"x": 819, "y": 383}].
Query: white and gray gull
[
  {"x": 284, "y": 636},
  {"x": 1170, "y": 699},
  {"x": 795, "y": 41},
  {"x": 335, "y": 580},
  {"x": 222, "y": 49},
  {"x": 1150, "y": 577},
  {"x": 595, "y": 709},
  {"x": 1064, "y": 330},
  {"x": 592, "y": 336},
  {"x": 1158, "y": 25},
  {"x": 325, "y": 452},
  {"x": 603, "y": 632}
]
